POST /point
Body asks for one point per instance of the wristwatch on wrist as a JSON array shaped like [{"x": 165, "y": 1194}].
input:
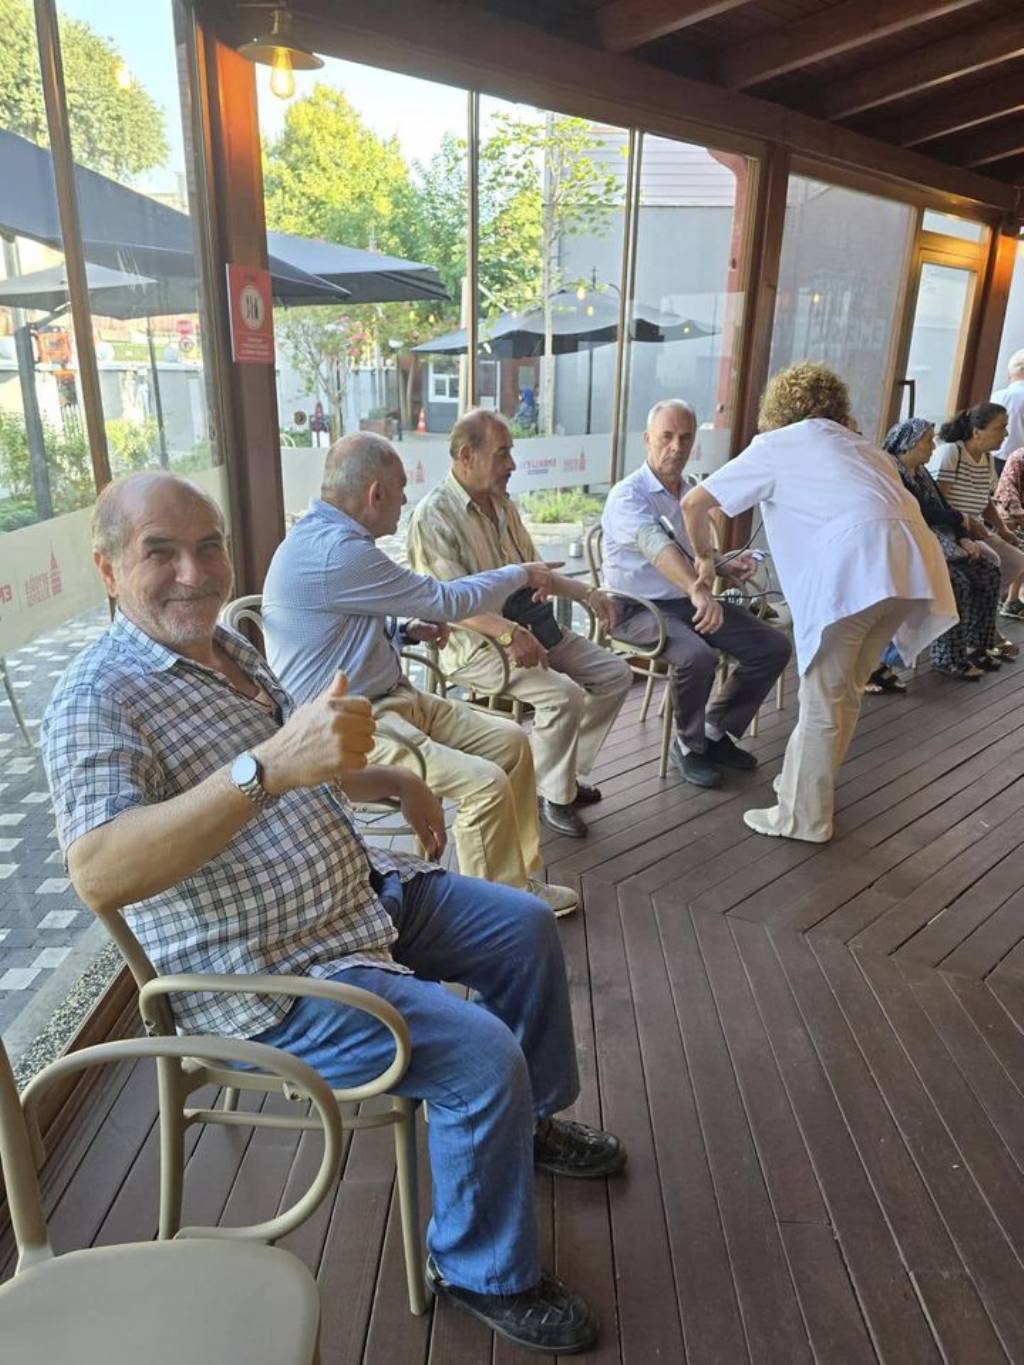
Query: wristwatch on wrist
[
  {"x": 247, "y": 775},
  {"x": 506, "y": 637}
]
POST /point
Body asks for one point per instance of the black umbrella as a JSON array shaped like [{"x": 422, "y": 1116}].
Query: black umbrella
[
  {"x": 368, "y": 276},
  {"x": 580, "y": 320},
  {"x": 128, "y": 232}
]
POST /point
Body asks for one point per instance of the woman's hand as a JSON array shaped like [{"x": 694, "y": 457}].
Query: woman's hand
[
  {"x": 971, "y": 548},
  {"x": 976, "y": 527}
]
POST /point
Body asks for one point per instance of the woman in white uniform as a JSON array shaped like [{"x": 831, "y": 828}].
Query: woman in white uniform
[{"x": 855, "y": 560}]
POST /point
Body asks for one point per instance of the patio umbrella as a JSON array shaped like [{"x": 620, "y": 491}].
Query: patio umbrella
[
  {"x": 128, "y": 232},
  {"x": 578, "y": 323},
  {"x": 368, "y": 276}
]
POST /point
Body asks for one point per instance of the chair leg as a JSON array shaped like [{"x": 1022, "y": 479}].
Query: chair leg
[
  {"x": 666, "y": 728},
  {"x": 648, "y": 693},
  {"x": 408, "y": 1204},
  {"x": 12, "y": 697},
  {"x": 229, "y": 1101},
  {"x": 753, "y": 725},
  {"x": 780, "y": 692},
  {"x": 172, "y": 1145}
]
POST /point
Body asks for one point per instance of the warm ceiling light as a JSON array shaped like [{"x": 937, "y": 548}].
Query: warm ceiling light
[{"x": 278, "y": 50}]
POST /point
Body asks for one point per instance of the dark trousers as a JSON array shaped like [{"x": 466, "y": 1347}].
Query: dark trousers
[{"x": 760, "y": 651}]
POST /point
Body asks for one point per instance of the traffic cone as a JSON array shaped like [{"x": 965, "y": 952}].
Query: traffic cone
[{"x": 421, "y": 424}]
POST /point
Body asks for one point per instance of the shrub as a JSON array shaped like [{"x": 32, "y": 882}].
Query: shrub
[{"x": 549, "y": 505}]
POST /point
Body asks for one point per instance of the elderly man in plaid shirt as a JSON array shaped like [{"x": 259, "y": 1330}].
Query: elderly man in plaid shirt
[{"x": 190, "y": 791}]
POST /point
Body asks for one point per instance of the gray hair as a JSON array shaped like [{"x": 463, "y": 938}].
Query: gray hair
[
  {"x": 353, "y": 463},
  {"x": 1015, "y": 364},
  {"x": 114, "y": 512},
  {"x": 664, "y": 403}
]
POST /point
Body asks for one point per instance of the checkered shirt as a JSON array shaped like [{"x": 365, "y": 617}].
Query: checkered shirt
[{"x": 132, "y": 723}]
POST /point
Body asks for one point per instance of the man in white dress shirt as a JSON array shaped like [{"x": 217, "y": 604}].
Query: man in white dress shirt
[
  {"x": 642, "y": 556},
  {"x": 1012, "y": 399}
]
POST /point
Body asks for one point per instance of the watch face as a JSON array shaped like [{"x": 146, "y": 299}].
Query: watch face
[{"x": 244, "y": 770}]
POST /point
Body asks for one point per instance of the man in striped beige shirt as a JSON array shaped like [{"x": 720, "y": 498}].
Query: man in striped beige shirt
[{"x": 467, "y": 525}]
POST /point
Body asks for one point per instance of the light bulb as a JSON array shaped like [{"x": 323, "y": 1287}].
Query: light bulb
[{"x": 282, "y": 77}]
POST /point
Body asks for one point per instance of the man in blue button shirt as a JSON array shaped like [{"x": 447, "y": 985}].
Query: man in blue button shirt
[
  {"x": 328, "y": 604},
  {"x": 642, "y": 557}
]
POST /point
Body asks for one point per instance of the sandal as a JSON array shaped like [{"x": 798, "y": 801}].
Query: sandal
[
  {"x": 987, "y": 662},
  {"x": 965, "y": 672},
  {"x": 1006, "y": 649},
  {"x": 892, "y": 682},
  {"x": 875, "y": 684}
]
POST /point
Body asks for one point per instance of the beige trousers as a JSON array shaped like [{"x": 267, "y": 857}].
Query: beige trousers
[
  {"x": 830, "y": 697},
  {"x": 484, "y": 764},
  {"x": 575, "y": 700}
]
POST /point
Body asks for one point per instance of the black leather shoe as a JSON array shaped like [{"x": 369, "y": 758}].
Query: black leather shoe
[
  {"x": 729, "y": 755},
  {"x": 562, "y": 818},
  {"x": 586, "y": 796},
  {"x": 549, "y": 1317},
  {"x": 564, "y": 1147},
  {"x": 695, "y": 768}
]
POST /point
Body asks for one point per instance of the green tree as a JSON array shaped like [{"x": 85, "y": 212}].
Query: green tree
[{"x": 115, "y": 129}]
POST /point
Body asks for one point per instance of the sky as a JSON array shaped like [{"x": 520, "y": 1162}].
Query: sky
[{"x": 418, "y": 111}]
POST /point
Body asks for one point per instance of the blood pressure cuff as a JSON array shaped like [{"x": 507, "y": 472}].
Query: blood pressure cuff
[{"x": 538, "y": 617}]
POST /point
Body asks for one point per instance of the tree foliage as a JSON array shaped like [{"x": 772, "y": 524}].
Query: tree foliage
[{"x": 116, "y": 130}]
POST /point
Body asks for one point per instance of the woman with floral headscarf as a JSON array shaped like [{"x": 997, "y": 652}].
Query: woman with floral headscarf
[{"x": 963, "y": 651}]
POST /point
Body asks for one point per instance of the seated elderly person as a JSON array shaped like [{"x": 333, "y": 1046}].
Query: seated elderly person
[
  {"x": 469, "y": 524},
  {"x": 1009, "y": 500},
  {"x": 189, "y": 790},
  {"x": 643, "y": 556},
  {"x": 327, "y": 601},
  {"x": 964, "y": 651}
]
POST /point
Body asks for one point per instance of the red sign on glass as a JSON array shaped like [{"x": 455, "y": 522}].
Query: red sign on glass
[{"x": 252, "y": 322}]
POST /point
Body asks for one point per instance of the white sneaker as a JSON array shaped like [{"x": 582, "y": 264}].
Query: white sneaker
[
  {"x": 767, "y": 822},
  {"x": 562, "y": 899},
  {"x": 777, "y": 783}
]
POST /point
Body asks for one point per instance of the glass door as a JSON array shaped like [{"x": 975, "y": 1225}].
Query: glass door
[{"x": 938, "y": 338}]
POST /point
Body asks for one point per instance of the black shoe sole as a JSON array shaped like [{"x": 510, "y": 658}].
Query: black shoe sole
[
  {"x": 709, "y": 782},
  {"x": 612, "y": 1168},
  {"x": 543, "y": 1348},
  {"x": 568, "y": 831}
]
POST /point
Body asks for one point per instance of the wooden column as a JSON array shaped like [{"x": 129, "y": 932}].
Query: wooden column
[
  {"x": 763, "y": 254},
  {"x": 979, "y": 377},
  {"x": 235, "y": 231}
]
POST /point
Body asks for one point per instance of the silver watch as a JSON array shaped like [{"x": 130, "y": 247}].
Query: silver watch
[{"x": 247, "y": 775}]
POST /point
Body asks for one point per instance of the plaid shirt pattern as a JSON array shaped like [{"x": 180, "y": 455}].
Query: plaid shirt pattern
[
  {"x": 450, "y": 537},
  {"x": 132, "y": 723}
]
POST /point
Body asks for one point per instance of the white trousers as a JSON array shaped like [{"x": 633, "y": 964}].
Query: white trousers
[{"x": 830, "y": 697}]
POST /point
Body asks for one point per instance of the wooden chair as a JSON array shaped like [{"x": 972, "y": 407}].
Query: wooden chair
[
  {"x": 381, "y": 817},
  {"x": 216, "y": 1294},
  {"x": 183, "y": 1072}
]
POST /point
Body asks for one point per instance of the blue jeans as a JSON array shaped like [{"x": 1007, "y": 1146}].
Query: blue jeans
[
  {"x": 891, "y": 657},
  {"x": 487, "y": 1068}
]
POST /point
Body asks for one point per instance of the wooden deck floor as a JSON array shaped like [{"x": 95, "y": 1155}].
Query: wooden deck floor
[{"x": 815, "y": 1055}]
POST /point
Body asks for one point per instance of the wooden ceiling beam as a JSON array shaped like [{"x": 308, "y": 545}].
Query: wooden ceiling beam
[
  {"x": 840, "y": 28},
  {"x": 923, "y": 68},
  {"x": 625, "y": 24},
  {"x": 997, "y": 143},
  {"x": 998, "y": 99}
]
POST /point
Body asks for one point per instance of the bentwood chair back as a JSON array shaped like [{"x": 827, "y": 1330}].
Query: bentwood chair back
[
  {"x": 180, "y": 1075},
  {"x": 217, "y": 1294}
]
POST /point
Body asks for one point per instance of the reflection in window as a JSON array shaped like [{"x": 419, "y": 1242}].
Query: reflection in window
[
  {"x": 843, "y": 260},
  {"x": 688, "y": 299},
  {"x": 949, "y": 225}
]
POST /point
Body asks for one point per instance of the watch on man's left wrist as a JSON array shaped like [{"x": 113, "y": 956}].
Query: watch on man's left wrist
[{"x": 246, "y": 775}]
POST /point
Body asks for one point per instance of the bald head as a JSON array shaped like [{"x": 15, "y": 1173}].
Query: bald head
[
  {"x": 124, "y": 502},
  {"x": 365, "y": 477}
]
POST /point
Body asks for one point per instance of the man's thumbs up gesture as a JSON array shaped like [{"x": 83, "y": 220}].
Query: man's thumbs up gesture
[{"x": 327, "y": 736}]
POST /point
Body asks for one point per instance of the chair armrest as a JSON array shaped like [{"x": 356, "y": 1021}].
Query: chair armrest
[
  {"x": 384, "y": 729},
  {"x": 503, "y": 663},
  {"x": 431, "y": 665},
  {"x": 209, "y": 983},
  {"x": 641, "y": 651},
  {"x": 259, "y": 1055}
]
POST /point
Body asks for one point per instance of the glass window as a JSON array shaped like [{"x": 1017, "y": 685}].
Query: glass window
[
  {"x": 952, "y": 226},
  {"x": 844, "y": 258},
  {"x": 368, "y": 161},
  {"x": 688, "y": 304},
  {"x": 937, "y": 339},
  {"x": 552, "y": 222}
]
